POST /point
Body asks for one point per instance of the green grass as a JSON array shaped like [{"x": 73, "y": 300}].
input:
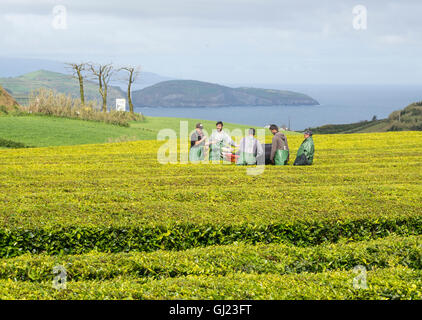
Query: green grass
[
  {"x": 43, "y": 131},
  {"x": 358, "y": 127},
  {"x": 158, "y": 123},
  {"x": 380, "y": 126}
]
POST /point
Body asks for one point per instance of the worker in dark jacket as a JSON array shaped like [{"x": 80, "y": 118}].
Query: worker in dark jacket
[
  {"x": 305, "y": 154},
  {"x": 197, "y": 143},
  {"x": 280, "y": 148}
]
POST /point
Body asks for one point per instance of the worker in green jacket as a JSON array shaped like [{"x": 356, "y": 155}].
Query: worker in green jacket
[{"x": 305, "y": 154}]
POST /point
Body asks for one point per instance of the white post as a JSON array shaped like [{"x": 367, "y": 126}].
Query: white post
[{"x": 120, "y": 104}]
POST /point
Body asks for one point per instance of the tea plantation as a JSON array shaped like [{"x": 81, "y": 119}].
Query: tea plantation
[{"x": 125, "y": 226}]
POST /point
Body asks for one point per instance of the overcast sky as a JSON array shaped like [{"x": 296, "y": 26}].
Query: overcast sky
[{"x": 226, "y": 41}]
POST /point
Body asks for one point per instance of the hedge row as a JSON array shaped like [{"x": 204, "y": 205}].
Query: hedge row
[
  {"x": 220, "y": 260},
  {"x": 389, "y": 283},
  {"x": 74, "y": 240},
  {"x": 12, "y": 144},
  {"x": 72, "y": 205}
]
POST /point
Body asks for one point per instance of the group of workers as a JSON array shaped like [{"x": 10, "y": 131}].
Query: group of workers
[{"x": 250, "y": 150}]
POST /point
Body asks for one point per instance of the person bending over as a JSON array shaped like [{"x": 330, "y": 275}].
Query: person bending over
[{"x": 250, "y": 149}]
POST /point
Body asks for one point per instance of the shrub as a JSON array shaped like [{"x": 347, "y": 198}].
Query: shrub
[
  {"x": 49, "y": 102},
  {"x": 13, "y": 110},
  {"x": 77, "y": 240},
  {"x": 12, "y": 144}
]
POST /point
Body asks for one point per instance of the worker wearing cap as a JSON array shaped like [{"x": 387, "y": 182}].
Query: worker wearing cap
[
  {"x": 305, "y": 154},
  {"x": 197, "y": 143}
]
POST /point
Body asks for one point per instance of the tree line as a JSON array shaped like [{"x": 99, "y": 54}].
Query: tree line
[{"x": 103, "y": 74}]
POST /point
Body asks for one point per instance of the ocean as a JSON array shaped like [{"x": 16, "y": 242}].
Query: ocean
[{"x": 338, "y": 104}]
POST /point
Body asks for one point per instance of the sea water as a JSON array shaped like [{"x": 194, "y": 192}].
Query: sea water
[{"x": 338, "y": 104}]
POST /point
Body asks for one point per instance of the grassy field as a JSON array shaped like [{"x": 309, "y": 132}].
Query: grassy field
[
  {"x": 125, "y": 226},
  {"x": 43, "y": 131}
]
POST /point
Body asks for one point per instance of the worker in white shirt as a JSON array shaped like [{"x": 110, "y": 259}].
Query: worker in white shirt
[{"x": 219, "y": 140}]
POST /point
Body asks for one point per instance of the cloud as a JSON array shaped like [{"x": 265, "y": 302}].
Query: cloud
[
  {"x": 259, "y": 39},
  {"x": 392, "y": 39}
]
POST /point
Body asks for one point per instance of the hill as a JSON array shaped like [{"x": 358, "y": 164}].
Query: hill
[
  {"x": 410, "y": 118},
  {"x": 13, "y": 67},
  {"x": 20, "y": 87},
  {"x": 357, "y": 127},
  {"x": 191, "y": 93},
  {"x": 6, "y": 100},
  {"x": 407, "y": 119}
]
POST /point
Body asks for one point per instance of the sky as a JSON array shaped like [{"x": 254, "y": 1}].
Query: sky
[{"x": 226, "y": 41}]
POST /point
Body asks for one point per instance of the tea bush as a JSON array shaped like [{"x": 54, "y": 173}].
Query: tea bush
[
  {"x": 399, "y": 283},
  {"x": 389, "y": 252},
  {"x": 126, "y": 226}
]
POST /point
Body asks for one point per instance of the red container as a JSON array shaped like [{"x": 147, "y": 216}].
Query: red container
[{"x": 230, "y": 157}]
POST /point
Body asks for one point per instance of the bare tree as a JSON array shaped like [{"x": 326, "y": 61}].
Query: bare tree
[
  {"x": 78, "y": 69},
  {"x": 133, "y": 73},
  {"x": 103, "y": 74}
]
